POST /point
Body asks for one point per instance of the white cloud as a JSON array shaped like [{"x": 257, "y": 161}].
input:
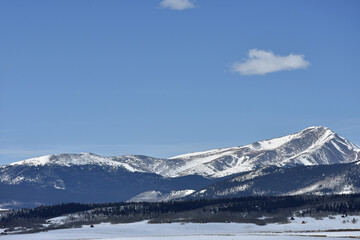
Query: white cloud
[
  {"x": 261, "y": 62},
  {"x": 177, "y": 4}
]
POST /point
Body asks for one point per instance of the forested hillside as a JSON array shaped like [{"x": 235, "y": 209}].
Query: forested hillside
[{"x": 259, "y": 210}]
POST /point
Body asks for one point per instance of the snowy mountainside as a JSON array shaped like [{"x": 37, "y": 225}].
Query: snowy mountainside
[
  {"x": 132, "y": 163},
  {"x": 312, "y": 146},
  {"x": 81, "y": 159},
  {"x": 92, "y": 178},
  {"x": 161, "y": 166}
]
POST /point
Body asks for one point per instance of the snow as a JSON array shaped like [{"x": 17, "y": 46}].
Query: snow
[
  {"x": 257, "y": 146},
  {"x": 347, "y": 189},
  {"x": 178, "y": 194},
  {"x": 204, "y": 157},
  {"x": 329, "y": 183},
  {"x": 233, "y": 190},
  {"x": 274, "y": 143},
  {"x": 57, "y": 220},
  {"x": 148, "y": 196},
  {"x": 68, "y": 160},
  {"x": 218, "y": 162},
  {"x": 209, "y": 152},
  {"x": 311, "y": 230},
  {"x": 264, "y": 145},
  {"x": 39, "y": 161},
  {"x": 337, "y": 147},
  {"x": 157, "y": 196},
  {"x": 58, "y": 187},
  {"x": 201, "y": 162}
]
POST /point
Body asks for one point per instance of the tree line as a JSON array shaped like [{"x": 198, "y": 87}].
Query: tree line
[{"x": 255, "y": 205}]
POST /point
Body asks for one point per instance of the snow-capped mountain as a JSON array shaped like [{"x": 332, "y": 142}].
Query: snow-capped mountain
[
  {"x": 312, "y": 146},
  {"x": 132, "y": 163},
  {"x": 93, "y": 178}
]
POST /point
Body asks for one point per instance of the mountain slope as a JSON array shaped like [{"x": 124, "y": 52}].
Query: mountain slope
[
  {"x": 321, "y": 179},
  {"x": 87, "y": 177},
  {"x": 312, "y": 146},
  {"x": 26, "y": 185}
]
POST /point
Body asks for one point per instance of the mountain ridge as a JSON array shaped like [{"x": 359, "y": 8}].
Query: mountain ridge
[
  {"x": 252, "y": 169},
  {"x": 311, "y": 146},
  {"x": 310, "y": 155}
]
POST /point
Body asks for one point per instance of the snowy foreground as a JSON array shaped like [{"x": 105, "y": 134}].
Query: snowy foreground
[{"x": 327, "y": 228}]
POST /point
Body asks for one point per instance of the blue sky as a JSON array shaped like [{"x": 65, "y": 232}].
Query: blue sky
[{"x": 150, "y": 77}]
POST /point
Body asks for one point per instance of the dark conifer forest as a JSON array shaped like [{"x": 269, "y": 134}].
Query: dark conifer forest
[{"x": 243, "y": 209}]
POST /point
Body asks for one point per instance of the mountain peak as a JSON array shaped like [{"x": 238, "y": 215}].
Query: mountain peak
[
  {"x": 317, "y": 127},
  {"x": 315, "y": 145}
]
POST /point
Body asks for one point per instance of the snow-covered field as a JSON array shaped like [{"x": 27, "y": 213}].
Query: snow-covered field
[{"x": 312, "y": 229}]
